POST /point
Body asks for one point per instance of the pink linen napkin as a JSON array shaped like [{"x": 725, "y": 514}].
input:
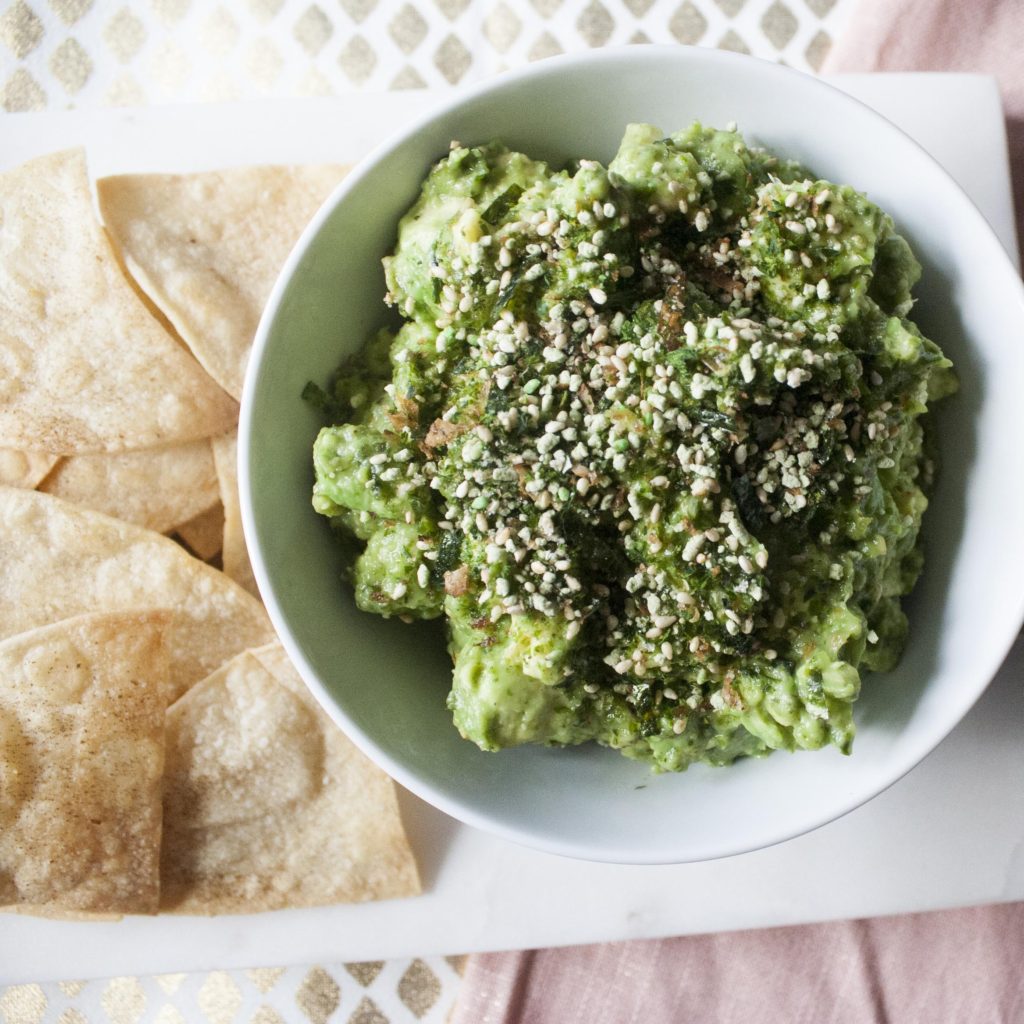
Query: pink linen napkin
[
  {"x": 961, "y": 965},
  {"x": 945, "y": 35}
]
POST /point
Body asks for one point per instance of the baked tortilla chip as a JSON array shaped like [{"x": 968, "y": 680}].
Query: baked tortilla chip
[
  {"x": 158, "y": 488},
  {"x": 207, "y": 248},
  {"x": 84, "y": 366},
  {"x": 235, "y": 554},
  {"x": 58, "y": 559},
  {"x": 205, "y": 533},
  {"x": 24, "y": 469},
  {"x": 82, "y": 706},
  {"x": 268, "y": 805}
]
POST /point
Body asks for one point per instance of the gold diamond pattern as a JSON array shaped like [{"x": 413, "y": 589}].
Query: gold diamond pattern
[
  {"x": 124, "y": 35},
  {"x": 72, "y": 1015},
  {"x": 169, "y": 67},
  {"x": 130, "y": 52},
  {"x": 70, "y": 65},
  {"x": 169, "y": 1014},
  {"x": 451, "y": 9},
  {"x": 265, "y": 11},
  {"x": 732, "y": 41},
  {"x": 407, "y": 28},
  {"x": 545, "y": 45},
  {"x": 219, "y": 998},
  {"x": 169, "y": 983},
  {"x": 358, "y": 10},
  {"x": 318, "y": 996},
  {"x": 502, "y": 27},
  {"x": 313, "y": 30},
  {"x": 357, "y": 59},
  {"x": 219, "y": 33},
  {"x": 125, "y": 91},
  {"x": 264, "y": 978},
  {"x": 457, "y": 963},
  {"x": 263, "y": 63},
  {"x": 21, "y": 93},
  {"x": 123, "y": 1000},
  {"x": 419, "y": 988},
  {"x": 266, "y": 1015},
  {"x": 408, "y": 78},
  {"x": 687, "y": 24},
  {"x": 779, "y": 24},
  {"x": 23, "y": 1004},
  {"x": 170, "y": 12},
  {"x": 452, "y": 58},
  {"x": 367, "y": 1012},
  {"x": 71, "y": 988},
  {"x": 20, "y": 30},
  {"x": 817, "y": 49},
  {"x": 69, "y": 11},
  {"x": 366, "y": 972},
  {"x": 595, "y": 24}
]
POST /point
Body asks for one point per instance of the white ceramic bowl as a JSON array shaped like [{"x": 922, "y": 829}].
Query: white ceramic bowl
[{"x": 385, "y": 682}]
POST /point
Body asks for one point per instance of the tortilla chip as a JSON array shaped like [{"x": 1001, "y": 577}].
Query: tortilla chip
[
  {"x": 268, "y": 805},
  {"x": 82, "y": 707},
  {"x": 205, "y": 534},
  {"x": 58, "y": 559},
  {"x": 24, "y": 469},
  {"x": 207, "y": 248},
  {"x": 158, "y": 488},
  {"x": 235, "y": 554},
  {"x": 84, "y": 366}
]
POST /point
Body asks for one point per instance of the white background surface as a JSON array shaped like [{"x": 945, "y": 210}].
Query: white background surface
[{"x": 950, "y": 833}]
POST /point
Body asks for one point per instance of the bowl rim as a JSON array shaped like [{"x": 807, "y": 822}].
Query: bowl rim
[{"x": 543, "y": 841}]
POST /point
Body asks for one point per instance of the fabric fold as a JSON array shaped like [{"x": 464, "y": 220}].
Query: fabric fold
[{"x": 955, "y": 965}]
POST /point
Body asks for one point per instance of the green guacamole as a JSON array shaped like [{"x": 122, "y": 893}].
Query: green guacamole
[{"x": 651, "y": 440}]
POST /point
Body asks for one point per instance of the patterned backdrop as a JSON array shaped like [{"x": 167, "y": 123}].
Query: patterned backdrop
[
  {"x": 65, "y": 54},
  {"x": 73, "y": 53}
]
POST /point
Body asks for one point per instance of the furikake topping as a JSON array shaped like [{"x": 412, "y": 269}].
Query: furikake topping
[{"x": 652, "y": 438}]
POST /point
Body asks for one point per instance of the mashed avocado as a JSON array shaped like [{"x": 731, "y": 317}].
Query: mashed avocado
[{"x": 652, "y": 440}]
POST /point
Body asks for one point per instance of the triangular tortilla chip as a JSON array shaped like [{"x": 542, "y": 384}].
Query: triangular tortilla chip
[
  {"x": 58, "y": 559},
  {"x": 158, "y": 488},
  {"x": 84, "y": 366},
  {"x": 268, "y": 805},
  {"x": 205, "y": 533},
  {"x": 24, "y": 469},
  {"x": 82, "y": 707},
  {"x": 208, "y": 247},
  {"x": 235, "y": 554}
]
